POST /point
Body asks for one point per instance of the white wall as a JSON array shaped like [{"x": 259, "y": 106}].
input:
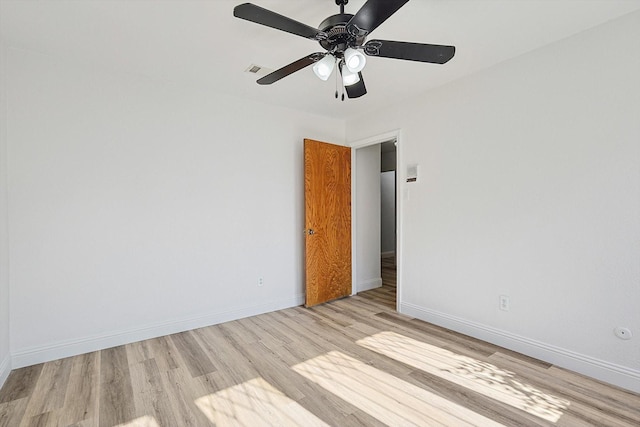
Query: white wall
[
  {"x": 388, "y": 212},
  {"x": 530, "y": 187},
  {"x": 367, "y": 223},
  {"x": 140, "y": 207},
  {"x": 5, "y": 360}
]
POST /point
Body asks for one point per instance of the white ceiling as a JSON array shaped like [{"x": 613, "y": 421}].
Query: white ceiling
[{"x": 200, "y": 42}]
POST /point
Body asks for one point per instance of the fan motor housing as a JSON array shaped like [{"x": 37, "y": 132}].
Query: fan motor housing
[{"x": 338, "y": 38}]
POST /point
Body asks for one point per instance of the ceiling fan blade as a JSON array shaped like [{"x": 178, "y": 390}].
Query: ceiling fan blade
[
  {"x": 262, "y": 16},
  {"x": 356, "y": 90},
  {"x": 372, "y": 14},
  {"x": 433, "y": 53},
  {"x": 290, "y": 69}
]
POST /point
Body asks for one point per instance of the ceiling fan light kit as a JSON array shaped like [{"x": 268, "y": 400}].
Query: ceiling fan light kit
[
  {"x": 349, "y": 78},
  {"x": 343, "y": 37},
  {"x": 324, "y": 67},
  {"x": 354, "y": 60}
]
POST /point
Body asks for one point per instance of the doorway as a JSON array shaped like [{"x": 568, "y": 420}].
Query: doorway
[
  {"x": 388, "y": 211},
  {"x": 377, "y": 259}
]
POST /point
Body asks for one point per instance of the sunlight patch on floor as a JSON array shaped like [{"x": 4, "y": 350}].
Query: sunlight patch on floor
[
  {"x": 255, "y": 403},
  {"x": 146, "y": 421},
  {"x": 482, "y": 377},
  {"x": 383, "y": 396}
]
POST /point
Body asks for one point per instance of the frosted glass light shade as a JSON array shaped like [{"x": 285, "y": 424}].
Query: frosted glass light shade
[
  {"x": 354, "y": 60},
  {"x": 324, "y": 67},
  {"x": 348, "y": 77}
]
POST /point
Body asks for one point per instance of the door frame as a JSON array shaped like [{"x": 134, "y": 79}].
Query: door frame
[{"x": 362, "y": 143}]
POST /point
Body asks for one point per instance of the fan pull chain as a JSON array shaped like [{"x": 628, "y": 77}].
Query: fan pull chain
[
  {"x": 336, "y": 80},
  {"x": 342, "y": 83}
]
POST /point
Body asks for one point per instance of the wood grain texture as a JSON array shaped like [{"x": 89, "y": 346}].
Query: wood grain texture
[
  {"x": 149, "y": 394},
  {"x": 116, "y": 392},
  {"x": 81, "y": 404},
  {"x": 12, "y": 412},
  {"x": 50, "y": 391},
  {"x": 327, "y": 183},
  {"x": 20, "y": 383},
  {"x": 182, "y": 390},
  {"x": 448, "y": 379},
  {"x": 192, "y": 354}
]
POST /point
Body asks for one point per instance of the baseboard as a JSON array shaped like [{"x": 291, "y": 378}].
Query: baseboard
[
  {"x": 620, "y": 376},
  {"x": 32, "y": 356},
  {"x": 390, "y": 254},
  {"x": 5, "y": 369},
  {"x": 369, "y": 284}
]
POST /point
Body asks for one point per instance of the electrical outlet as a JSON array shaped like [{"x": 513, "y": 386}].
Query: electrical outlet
[
  {"x": 504, "y": 303},
  {"x": 260, "y": 281}
]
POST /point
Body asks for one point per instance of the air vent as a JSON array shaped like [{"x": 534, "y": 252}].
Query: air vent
[
  {"x": 257, "y": 70},
  {"x": 253, "y": 69}
]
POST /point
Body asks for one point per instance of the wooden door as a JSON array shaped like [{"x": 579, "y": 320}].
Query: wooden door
[{"x": 327, "y": 189}]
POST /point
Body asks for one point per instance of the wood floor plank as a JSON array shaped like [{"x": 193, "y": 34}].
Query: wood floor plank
[
  {"x": 610, "y": 395},
  {"x": 234, "y": 367},
  {"x": 384, "y": 396},
  {"x": 192, "y": 354},
  {"x": 46, "y": 419},
  {"x": 116, "y": 392},
  {"x": 183, "y": 390},
  {"x": 315, "y": 399},
  {"x": 138, "y": 352},
  {"x": 345, "y": 340},
  {"x": 51, "y": 389},
  {"x": 362, "y": 419},
  {"x": 165, "y": 353},
  {"x": 271, "y": 368},
  {"x": 239, "y": 333},
  {"x": 12, "y": 412},
  {"x": 264, "y": 324},
  {"x": 586, "y": 403},
  {"x": 20, "y": 383},
  {"x": 81, "y": 403},
  {"x": 447, "y": 335},
  {"x": 149, "y": 394},
  {"x": 477, "y": 402},
  {"x": 256, "y": 403},
  {"x": 249, "y": 335},
  {"x": 92, "y": 422}
]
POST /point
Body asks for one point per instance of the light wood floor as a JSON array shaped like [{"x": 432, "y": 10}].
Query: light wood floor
[{"x": 352, "y": 362}]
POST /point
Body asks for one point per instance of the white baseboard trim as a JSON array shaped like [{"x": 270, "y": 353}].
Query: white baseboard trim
[
  {"x": 620, "y": 376},
  {"x": 5, "y": 369},
  {"x": 389, "y": 254},
  {"x": 369, "y": 284},
  {"x": 34, "y": 355}
]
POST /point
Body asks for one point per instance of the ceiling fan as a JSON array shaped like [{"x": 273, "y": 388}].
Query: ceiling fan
[{"x": 343, "y": 38}]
